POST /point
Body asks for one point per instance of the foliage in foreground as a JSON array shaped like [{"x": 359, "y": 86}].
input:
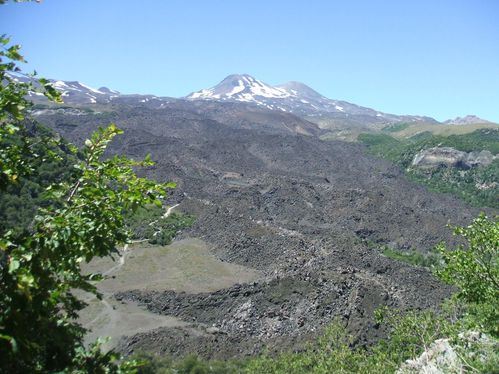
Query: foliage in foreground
[
  {"x": 19, "y": 201},
  {"x": 474, "y": 269},
  {"x": 41, "y": 269},
  {"x": 40, "y": 265}
]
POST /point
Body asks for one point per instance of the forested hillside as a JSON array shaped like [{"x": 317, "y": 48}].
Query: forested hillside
[{"x": 477, "y": 185}]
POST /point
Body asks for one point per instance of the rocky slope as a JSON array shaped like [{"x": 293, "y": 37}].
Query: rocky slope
[{"x": 268, "y": 194}]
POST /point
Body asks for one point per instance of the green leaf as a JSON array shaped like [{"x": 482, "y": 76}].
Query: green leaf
[
  {"x": 12, "y": 342},
  {"x": 13, "y": 265}
]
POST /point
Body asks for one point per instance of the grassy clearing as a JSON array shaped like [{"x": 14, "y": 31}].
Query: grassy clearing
[
  {"x": 443, "y": 130},
  {"x": 185, "y": 265},
  {"x": 415, "y": 258},
  {"x": 396, "y": 127}
]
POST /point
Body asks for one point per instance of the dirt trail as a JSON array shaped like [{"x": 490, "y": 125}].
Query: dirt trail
[
  {"x": 120, "y": 263},
  {"x": 169, "y": 210},
  {"x": 123, "y": 252},
  {"x": 116, "y": 319}
]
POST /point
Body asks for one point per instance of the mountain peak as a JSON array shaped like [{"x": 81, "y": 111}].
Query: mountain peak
[
  {"x": 239, "y": 87},
  {"x": 467, "y": 120},
  {"x": 301, "y": 89},
  {"x": 238, "y": 76},
  {"x": 108, "y": 91},
  {"x": 294, "y": 97}
]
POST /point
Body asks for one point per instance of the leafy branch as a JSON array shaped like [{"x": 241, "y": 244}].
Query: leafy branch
[{"x": 40, "y": 267}]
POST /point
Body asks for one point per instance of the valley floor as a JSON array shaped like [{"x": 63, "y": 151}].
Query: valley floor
[{"x": 184, "y": 266}]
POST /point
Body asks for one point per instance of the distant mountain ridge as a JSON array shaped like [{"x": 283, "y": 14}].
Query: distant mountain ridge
[
  {"x": 293, "y": 97},
  {"x": 467, "y": 120},
  {"x": 79, "y": 90}
]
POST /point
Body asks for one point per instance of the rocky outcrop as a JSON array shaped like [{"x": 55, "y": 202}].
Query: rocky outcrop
[
  {"x": 443, "y": 357},
  {"x": 450, "y": 157}
]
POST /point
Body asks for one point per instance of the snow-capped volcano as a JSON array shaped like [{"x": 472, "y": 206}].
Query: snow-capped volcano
[
  {"x": 241, "y": 88},
  {"x": 294, "y": 97}
]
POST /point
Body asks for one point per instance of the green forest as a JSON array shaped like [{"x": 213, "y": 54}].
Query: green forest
[{"x": 464, "y": 184}]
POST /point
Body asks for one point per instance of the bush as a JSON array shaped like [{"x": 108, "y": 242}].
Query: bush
[
  {"x": 474, "y": 269},
  {"x": 149, "y": 223},
  {"x": 82, "y": 217},
  {"x": 426, "y": 260}
]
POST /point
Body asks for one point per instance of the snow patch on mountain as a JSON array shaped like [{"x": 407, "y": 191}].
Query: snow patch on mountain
[
  {"x": 60, "y": 85},
  {"x": 294, "y": 97},
  {"x": 237, "y": 88},
  {"x": 91, "y": 89},
  {"x": 240, "y": 88}
]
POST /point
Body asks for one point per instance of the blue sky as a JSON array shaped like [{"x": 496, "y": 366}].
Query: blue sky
[{"x": 438, "y": 58}]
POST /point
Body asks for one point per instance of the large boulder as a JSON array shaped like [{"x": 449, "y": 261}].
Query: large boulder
[
  {"x": 450, "y": 157},
  {"x": 482, "y": 158},
  {"x": 442, "y": 357},
  {"x": 439, "y": 358}
]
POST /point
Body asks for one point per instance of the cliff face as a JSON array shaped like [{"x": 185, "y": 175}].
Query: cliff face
[{"x": 448, "y": 156}]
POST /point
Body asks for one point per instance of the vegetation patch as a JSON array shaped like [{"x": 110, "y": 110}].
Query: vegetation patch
[
  {"x": 396, "y": 127},
  {"x": 479, "y": 185},
  {"x": 151, "y": 224},
  {"x": 441, "y": 130},
  {"x": 426, "y": 260}
]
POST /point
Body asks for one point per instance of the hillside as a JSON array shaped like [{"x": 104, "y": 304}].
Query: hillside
[
  {"x": 312, "y": 216},
  {"x": 318, "y": 226},
  {"x": 476, "y": 184},
  {"x": 249, "y": 187}
]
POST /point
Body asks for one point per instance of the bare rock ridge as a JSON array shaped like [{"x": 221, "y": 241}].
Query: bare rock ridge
[{"x": 443, "y": 356}]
